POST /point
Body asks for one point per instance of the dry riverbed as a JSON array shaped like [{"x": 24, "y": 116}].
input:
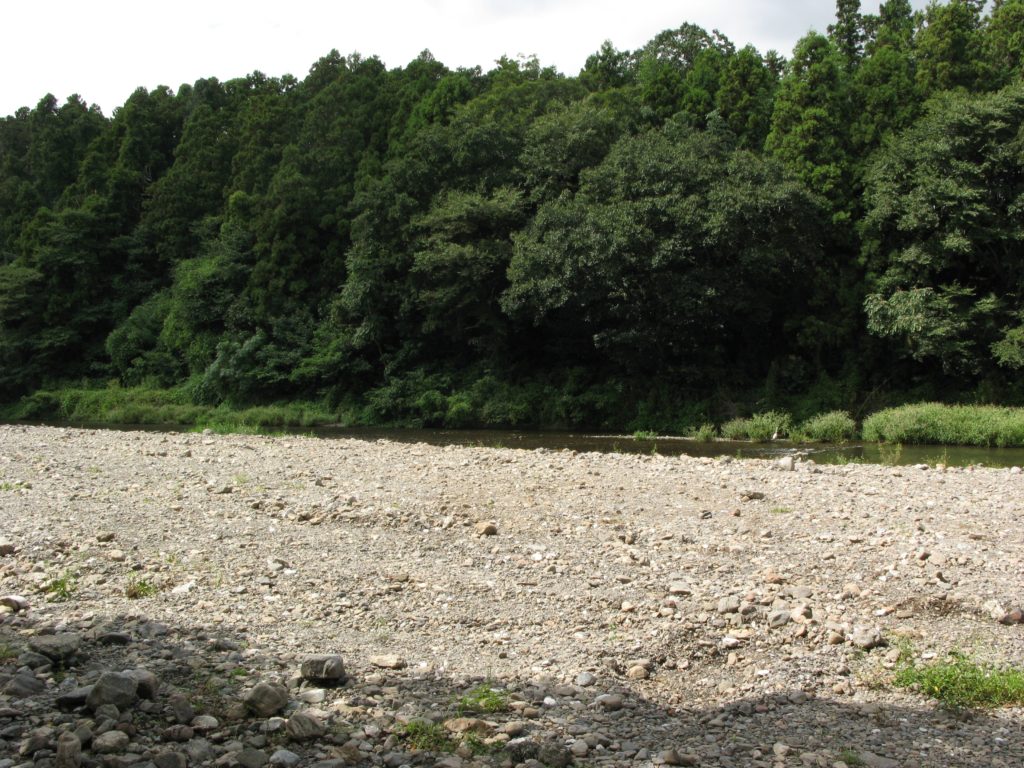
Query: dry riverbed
[{"x": 630, "y": 610}]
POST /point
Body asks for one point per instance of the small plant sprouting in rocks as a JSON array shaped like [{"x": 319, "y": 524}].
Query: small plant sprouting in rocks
[
  {"x": 781, "y": 510},
  {"x": 645, "y": 434},
  {"x": 7, "y": 652},
  {"x": 137, "y": 588},
  {"x": 8, "y": 485},
  {"x": 851, "y": 757},
  {"x": 62, "y": 588},
  {"x": 960, "y": 683},
  {"x": 428, "y": 736},
  {"x": 482, "y": 698}
]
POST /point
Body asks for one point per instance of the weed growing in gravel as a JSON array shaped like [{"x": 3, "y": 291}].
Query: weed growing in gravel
[
  {"x": 62, "y": 588},
  {"x": 137, "y": 588},
  {"x": 781, "y": 510},
  {"x": 644, "y": 434},
  {"x": 428, "y": 736},
  {"x": 7, "y": 652},
  {"x": 961, "y": 683},
  {"x": 851, "y": 757},
  {"x": 480, "y": 748},
  {"x": 482, "y": 698},
  {"x": 8, "y": 485}
]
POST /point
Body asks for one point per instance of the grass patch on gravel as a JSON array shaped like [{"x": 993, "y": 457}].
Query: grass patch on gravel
[
  {"x": 428, "y": 736},
  {"x": 482, "y": 698},
  {"x": 960, "y": 683},
  {"x": 62, "y": 588},
  {"x": 136, "y": 588}
]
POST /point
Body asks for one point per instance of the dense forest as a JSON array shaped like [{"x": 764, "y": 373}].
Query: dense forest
[{"x": 684, "y": 231}]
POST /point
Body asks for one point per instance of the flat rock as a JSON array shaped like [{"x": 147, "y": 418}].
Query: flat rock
[
  {"x": 266, "y": 699},
  {"x": 60, "y": 647},
  {"x": 323, "y": 668},
  {"x": 110, "y": 742},
  {"x": 115, "y": 688},
  {"x": 388, "y": 662}
]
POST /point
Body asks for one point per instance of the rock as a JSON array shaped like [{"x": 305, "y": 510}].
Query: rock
[
  {"x": 871, "y": 760},
  {"x": 204, "y": 723},
  {"x": 177, "y": 733},
  {"x": 117, "y": 555},
  {"x": 867, "y": 638},
  {"x": 251, "y": 758},
  {"x": 15, "y": 602},
  {"x": 779, "y": 618},
  {"x": 266, "y": 699},
  {"x": 579, "y": 748},
  {"x": 673, "y": 757},
  {"x": 23, "y": 685},
  {"x": 786, "y": 464},
  {"x": 105, "y": 536},
  {"x": 303, "y": 726},
  {"x": 730, "y": 604},
  {"x": 585, "y": 679},
  {"x": 323, "y": 668},
  {"x": 181, "y": 708},
  {"x": 36, "y": 740},
  {"x": 115, "y": 688},
  {"x": 611, "y": 702},
  {"x": 679, "y": 588},
  {"x": 74, "y": 698},
  {"x": 171, "y": 760},
  {"x": 486, "y": 529},
  {"x": 59, "y": 648},
  {"x": 69, "y": 751},
  {"x": 147, "y": 682},
  {"x": 387, "y": 662},
  {"x": 111, "y": 742},
  {"x": 554, "y": 755},
  {"x": 7, "y": 547},
  {"x": 284, "y": 758},
  {"x": 637, "y": 672}
]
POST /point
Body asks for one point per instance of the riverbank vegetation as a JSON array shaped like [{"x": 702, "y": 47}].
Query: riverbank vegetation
[{"x": 689, "y": 234}]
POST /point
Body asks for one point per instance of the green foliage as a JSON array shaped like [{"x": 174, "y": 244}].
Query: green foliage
[
  {"x": 960, "y": 683},
  {"x": 428, "y": 736},
  {"x": 482, "y": 698},
  {"x": 831, "y": 427},
  {"x": 705, "y": 433},
  {"x": 137, "y": 588},
  {"x": 62, "y": 588},
  {"x": 938, "y": 424}
]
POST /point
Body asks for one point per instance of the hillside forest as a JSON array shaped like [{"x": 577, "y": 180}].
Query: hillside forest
[{"x": 694, "y": 229}]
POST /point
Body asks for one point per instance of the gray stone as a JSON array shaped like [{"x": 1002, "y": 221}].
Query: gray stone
[
  {"x": 871, "y": 760},
  {"x": 778, "y": 619},
  {"x": 171, "y": 760},
  {"x": 285, "y": 758},
  {"x": 266, "y": 699},
  {"x": 15, "y": 602},
  {"x": 69, "y": 751},
  {"x": 36, "y": 740},
  {"x": 585, "y": 679},
  {"x": 730, "y": 604},
  {"x": 181, "y": 708},
  {"x": 674, "y": 757},
  {"x": 555, "y": 755},
  {"x": 24, "y": 684},
  {"x": 148, "y": 683},
  {"x": 612, "y": 702},
  {"x": 303, "y": 726},
  {"x": 204, "y": 723},
  {"x": 867, "y": 637},
  {"x": 7, "y": 547},
  {"x": 115, "y": 688},
  {"x": 324, "y": 668},
  {"x": 110, "y": 742},
  {"x": 679, "y": 588},
  {"x": 56, "y": 647},
  {"x": 251, "y": 758},
  {"x": 74, "y": 698}
]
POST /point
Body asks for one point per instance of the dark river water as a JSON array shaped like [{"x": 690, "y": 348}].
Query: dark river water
[{"x": 868, "y": 453}]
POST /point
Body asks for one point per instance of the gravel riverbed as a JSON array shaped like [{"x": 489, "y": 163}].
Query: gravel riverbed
[{"x": 160, "y": 593}]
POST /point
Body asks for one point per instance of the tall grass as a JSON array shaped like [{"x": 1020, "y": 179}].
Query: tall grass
[
  {"x": 146, "y": 406},
  {"x": 831, "y": 427},
  {"x": 761, "y": 427},
  {"x": 938, "y": 424}
]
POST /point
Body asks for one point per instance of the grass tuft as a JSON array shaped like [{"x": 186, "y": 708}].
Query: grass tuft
[
  {"x": 938, "y": 424},
  {"x": 482, "y": 698},
  {"x": 137, "y": 589},
  {"x": 961, "y": 683},
  {"x": 831, "y": 427},
  {"x": 427, "y": 736}
]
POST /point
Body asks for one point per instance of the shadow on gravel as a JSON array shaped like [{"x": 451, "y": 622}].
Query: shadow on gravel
[{"x": 202, "y": 712}]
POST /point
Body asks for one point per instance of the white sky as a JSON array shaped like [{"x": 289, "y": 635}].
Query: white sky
[{"x": 104, "y": 49}]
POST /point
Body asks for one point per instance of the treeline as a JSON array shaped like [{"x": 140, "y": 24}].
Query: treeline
[{"x": 679, "y": 232}]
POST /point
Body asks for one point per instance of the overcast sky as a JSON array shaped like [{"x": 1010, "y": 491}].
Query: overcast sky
[{"x": 104, "y": 49}]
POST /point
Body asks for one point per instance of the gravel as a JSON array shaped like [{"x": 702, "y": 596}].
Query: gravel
[{"x": 321, "y": 602}]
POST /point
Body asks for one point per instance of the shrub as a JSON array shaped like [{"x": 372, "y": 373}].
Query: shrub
[
  {"x": 705, "y": 433},
  {"x": 769, "y": 426},
  {"x": 831, "y": 427},
  {"x": 736, "y": 429},
  {"x": 938, "y": 424}
]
